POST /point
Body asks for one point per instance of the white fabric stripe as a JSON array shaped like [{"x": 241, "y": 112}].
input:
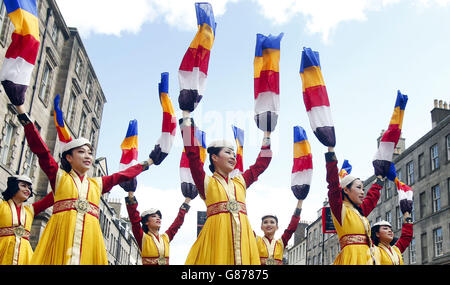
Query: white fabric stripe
[
  {"x": 385, "y": 151},
  {"x": 17, "y": 70},
  {"x": 402, "y": 195},
  {"x": 194, "y": 79},
  {"x": 320, "y": 117},
  {"x": 165, "y": 142},
  {"x": 267, "y": 101},
  {"x": 123, "y": 166},
  {"x": 234, "y": 173},
  {"x": 186, "y": 176},
  {"x": 301, "y": 177}
]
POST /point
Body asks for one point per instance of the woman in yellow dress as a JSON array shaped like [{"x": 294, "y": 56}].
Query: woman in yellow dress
[
  {"x": 349, "y": 209},
  {"x": 390, "y": 248},
  {"x": 227, "y": 237},
  {"x": 16, "y": 219},
  {"x": 73, "y": 235}
]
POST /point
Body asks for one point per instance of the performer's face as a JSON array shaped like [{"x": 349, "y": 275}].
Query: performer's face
[
  {"x": 385, "y": 234},
  {"x": 154, "y": 222},
  {"x": 80, "y": 159},
  {"x": 355, "y": 192},
  {"x": 24, "y": 191},
  {"x": 225, "y": 160},
  {"x": 269, "y": 225}
]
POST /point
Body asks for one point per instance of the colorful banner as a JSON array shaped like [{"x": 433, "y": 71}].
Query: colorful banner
[
  {"x": 239, "y": 138},
  {"x": 129, "y": 157},
  {"x": 345, "y": 169},
  {"x": 405, "y": 192},
  {"x": 169, "y": 123},
  {"x": 188, "y": 188},
  {"x": 267, "y": 81},
  {"x": 193, "y": 70},
  {"x": 302, "y": 169},
  {"x": 21, "y": 55},
  {"x": 315, "y": 97},
  {"x": 61, "y": 128},
  {"x": 383, "y": 157}
]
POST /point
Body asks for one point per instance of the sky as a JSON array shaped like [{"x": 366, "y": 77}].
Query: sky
[{"x": 368, "y": 50}]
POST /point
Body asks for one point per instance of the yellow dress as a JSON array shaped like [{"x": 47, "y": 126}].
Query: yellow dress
[
  {"x": 227, "y": 237},
  {"x": 389, "y": 255},
  {"x": 73, "y": 235},
  {"x": 270, "y": 252},
  {"x": 155, "y": 251},
  {"x": 354, "y": 236},
  {"x": 15, "y": 248}
]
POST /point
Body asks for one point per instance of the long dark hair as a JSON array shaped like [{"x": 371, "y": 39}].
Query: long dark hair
[
  {"x": 13, "y": 187},
  {"x": 65, "y": 165},
  {"x": 213, "y": 150}
]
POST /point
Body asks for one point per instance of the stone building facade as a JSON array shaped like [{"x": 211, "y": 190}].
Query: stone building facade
[{"x": 62, "y": 67}]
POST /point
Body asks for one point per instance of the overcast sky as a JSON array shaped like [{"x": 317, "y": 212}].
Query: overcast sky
[{"x": 368, "y": 50}]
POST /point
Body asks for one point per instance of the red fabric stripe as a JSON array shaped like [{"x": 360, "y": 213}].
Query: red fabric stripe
[
  {"x": 128, "y": 155},
  {"x": 169, "y": 124},
  {"x": 184, "y": 163},
  {"x": 392, "y": 134},
  {"x": 26, "y": 47},
  {"x": 302, "y": 163},
  {"x": 268, "y": 80},
  {"x": 239, "y": 163},
  {"x": 196, "y": 57},
  {"x": 315, "y": 96}
]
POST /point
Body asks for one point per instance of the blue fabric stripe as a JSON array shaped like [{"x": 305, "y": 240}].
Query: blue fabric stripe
[
  {"x": 132, "y": 129},
  {"x": 205, "y": 15},
  {"x": 309, "y": 58},
  {"x": 27, "y": 5},
  {"x": 239, "y": 135},
  {"x": 264, "y": 42},
  {"x": 163, "y": 86},
  {"x": 299, "y": 134},
  {"x": 401, "y": 100}
]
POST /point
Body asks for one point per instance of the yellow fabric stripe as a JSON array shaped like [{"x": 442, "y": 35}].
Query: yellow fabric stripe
[
  {"x": 129, "y": 143},
  {"x": 269, "y": 61},
  {"x": 312, "y": 76},
  {"x": 25, "y": 23},
  {"x": 204, "y": 37},
  {"x": 397, "y": 117},
  {"x": 301, "y": 148},
  {"x": 166, "y": 104}
]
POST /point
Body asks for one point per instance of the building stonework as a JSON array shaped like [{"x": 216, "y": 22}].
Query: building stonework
[{"x": 62, "y": 67}]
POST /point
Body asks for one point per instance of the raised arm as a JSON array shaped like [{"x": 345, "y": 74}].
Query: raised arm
[
  {"x": 407, "y": 233},
  {"x": 122, "y": 176},
  {"x": 262, "y": 162},
  {"x": 135, "y": 218},
  {"x": 193, "y": 152},
  {"x": 373, "y": 195},
  {"x": 178, "y": 222},
  {"x": 43, "y": 204},
  {"x": 38, "y": 147},
  {"x": 334, "y": 189},
  {"x": 293, "y": 224}
]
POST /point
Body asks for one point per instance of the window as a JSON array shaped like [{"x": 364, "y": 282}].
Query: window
[
  {"x": 3, "y": 23},
  {"x": 71, "y": 108},
  {"x": 399, "y": 217},
  {"x": 410, "y": 173},
  {"x": 89, "y": 86},
  {"x": 447, "y": 142},
  {"x": 45, "y": 83},
  {"x": 412, "y": 251},
  {"x": 7, "y": 143},
  {"x": 92, "y": 137},
  {"x": 78, "y": 65},
  {"x": 54, "y": 34},
  {"x": 30, "y": 159},
  {"x": 421, "y": 165},
  {"x": 388, "y": 191},
  {"x": 423, "y": 247},
  {"x": 389, "y": 217},
  {"x": 422, "y": 204},
  {"x": 437, "y": 242},
  {"x": 82, "y": 129},
  {"x": 434, "y": 157},
  {"x": 97, "y": 106},
  {"x": 436, "y": 193}
]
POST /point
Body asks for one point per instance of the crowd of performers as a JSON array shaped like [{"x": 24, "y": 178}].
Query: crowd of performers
[{"x": 73, "y": 235}]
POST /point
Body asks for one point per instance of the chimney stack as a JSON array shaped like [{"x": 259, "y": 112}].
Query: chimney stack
[{"x": 440, "y": 111}]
